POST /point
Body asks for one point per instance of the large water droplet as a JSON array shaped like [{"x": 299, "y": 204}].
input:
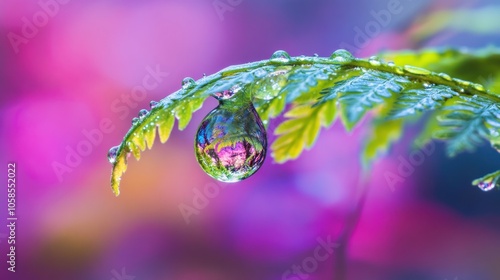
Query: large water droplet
[
  {"x": 231, "y": 144},
  {"x": 112, "y": 154},
  {"x": 153, "y": 104},
  {"x": 342, "y": 56},
  {"x": 280, "y": 56},
  {"x": 142, "y": 114},
  {"x": 188, "y": 83},
  {"x": 487, "y": 186}
]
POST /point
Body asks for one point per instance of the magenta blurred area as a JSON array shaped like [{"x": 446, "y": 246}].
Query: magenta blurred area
[{"x": 69, "y": 91}]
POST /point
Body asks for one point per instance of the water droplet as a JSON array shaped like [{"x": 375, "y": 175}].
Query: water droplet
[
  {"x": 280, "y": 56},
  {"x": 231, "y": 144},
  {"x": 142, "y": 113},
  {"x": 391, "y": 64},
  {"x": 374, "y": 61},
  {"x": 342, "y": 56},
  {"x": 226, "y": 94},
  {"x": 487, "y": 186},
  {"x": 135, "y": 120},
  {"x": 188, "y": 83},
  {"x": 416, "y": 70},
  {"x": 316, "y": 55},
  {"x": 445, "y": 76},
  {"x": 479, "y": 87},
  {"x": 153, "y": 104},
  {"x": 112, "y": 154},
  {"x": 301, "y": 58}
]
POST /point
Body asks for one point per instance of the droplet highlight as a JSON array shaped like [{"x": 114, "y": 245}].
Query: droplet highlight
[
  {"x": 231, "y": 144},
  {"x": 142, "y": 114},
  {"x": 153, "y": 104},
  {"x": 280, "y": 56},
  {"x": 342, "y": 56},
  {"x": 112, "y": 154},
  {"x": 487, "y": 186},
  {"x": 374, "y": 61},
  {"x": 478, "y": 87},
  {"x": 445, "y": 76},
  {"x": 227, "y": 94},
  {"x": 188, "y": 83}
]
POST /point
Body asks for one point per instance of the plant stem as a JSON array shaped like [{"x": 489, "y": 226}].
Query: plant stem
[{"x": 341, "y": 253}]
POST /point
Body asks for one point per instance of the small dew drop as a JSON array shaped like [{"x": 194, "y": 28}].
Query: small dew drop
[
  {"x": 479, "y": 87},
  {"x": 112, "y": 154},
  {"x": 188, "y": 83},
  {"x": 416, "y": 70},
  {"x": 135, "y": 120},
  {"x": 391, "y": 64},
  {"x": 342, "y": 56},
  {"x": 374, "y": 61},
  {"x": 280, "y": 56},
  {"x": 445, "y": 76},
  {"x": 142, "y": 113},
  {"x": 153, "y": 104},
  {"x": 487, "y": 186},
  {"x": 316, "y": 55}
]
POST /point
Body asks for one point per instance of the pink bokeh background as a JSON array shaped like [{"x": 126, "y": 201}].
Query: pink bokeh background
[{"x": 78, "y": 69}]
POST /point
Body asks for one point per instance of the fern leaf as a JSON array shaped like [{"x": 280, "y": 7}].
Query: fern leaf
[
  {"x": 301, "y": 129},
  {"x": 316, "y": 86},
  {"x": 423, "y": 99},
  {"x": 467, "y": 122},
  {"x": 362, "y": 92}
]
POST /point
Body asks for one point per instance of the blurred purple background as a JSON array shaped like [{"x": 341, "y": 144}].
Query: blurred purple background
[{"x": 67, "y": 82}]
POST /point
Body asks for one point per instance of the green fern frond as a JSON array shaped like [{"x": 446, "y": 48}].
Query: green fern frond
[
  {"x": 314, "y": 87},
  {"x": 301, "y": 129},
  {"x": 466, "y": 122}
]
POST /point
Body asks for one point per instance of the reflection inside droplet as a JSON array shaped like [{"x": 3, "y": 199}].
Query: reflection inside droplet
[
  {"x": 487, "y": 186},
  {"x": 231, "y": 143},
  {"x": 142, "y": 113},
  {"x": 112, "y": 154}
]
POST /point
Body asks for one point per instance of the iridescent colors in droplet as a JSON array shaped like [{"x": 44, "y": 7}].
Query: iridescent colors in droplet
[
  {"x": 230, "y": 143},
  {"x": 487, "y": 186},
  {"x": 142, "y": 113},
  {"x": 112, "y": 154},
  {"x": 227, "y": 94},
  {"x": 153, "y": 104}
]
